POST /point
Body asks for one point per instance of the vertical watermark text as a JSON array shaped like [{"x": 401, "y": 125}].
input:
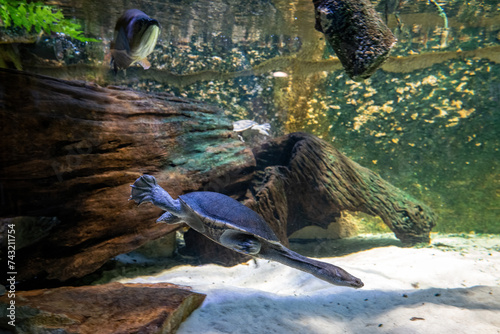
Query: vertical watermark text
[{"x": 11, "y": 274}]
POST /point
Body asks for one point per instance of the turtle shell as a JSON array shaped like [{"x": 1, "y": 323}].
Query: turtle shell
[{"x": 224, "y": 212}]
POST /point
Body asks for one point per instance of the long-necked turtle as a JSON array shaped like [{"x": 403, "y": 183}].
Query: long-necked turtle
[
  {"x": 246, "y": 124},
  {"x": 233, "y": 225}
]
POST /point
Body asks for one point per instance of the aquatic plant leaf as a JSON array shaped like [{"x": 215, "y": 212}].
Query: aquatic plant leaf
[
  {"x": 40, "y": 18},
  {"x": 4, "y": 16}
]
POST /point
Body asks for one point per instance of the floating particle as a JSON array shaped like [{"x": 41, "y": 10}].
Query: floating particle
[
  {"x": 465, "y": 113},
  {"x": 401, "y": 90},
  {"x": 459, "y": 88},
  {"x": 457, "y": 104},
  {"x": 452, "y": 122},
  {"x": 280, "y": 74},
  {"x": 430, "y": 80},
  {"x": 386, "y": 108}
]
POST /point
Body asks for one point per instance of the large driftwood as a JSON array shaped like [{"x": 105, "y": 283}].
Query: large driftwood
[
  {"x": 300, "y": 180},
  {"x": 70, "y": 150},
  {"x": 103, "y": 309}
]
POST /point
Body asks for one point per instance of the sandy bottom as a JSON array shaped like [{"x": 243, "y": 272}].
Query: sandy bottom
[{"x": 453, "y": 286}]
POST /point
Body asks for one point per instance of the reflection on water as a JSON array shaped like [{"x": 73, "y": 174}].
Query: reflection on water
[{"x": 426, "y": 121}]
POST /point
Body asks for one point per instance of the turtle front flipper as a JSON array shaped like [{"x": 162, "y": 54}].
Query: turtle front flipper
[
  {"x": 145, "y": 189},
  {"x": 240, "y": 242},
  {"x": 169, "y": 218}
]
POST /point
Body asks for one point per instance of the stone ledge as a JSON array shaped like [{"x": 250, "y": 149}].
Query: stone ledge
[{"x": 109, "y": 308}]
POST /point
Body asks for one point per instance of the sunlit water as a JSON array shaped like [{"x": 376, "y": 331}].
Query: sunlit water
[{"x": 427, "y": 121}]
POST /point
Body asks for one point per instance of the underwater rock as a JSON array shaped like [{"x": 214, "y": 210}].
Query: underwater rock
[
  {"x": 360, "y": 38},
  {"x": 109, "y": 308},
  {"x": 344, "y": 227},
  {"x": 159, "y": 249}
]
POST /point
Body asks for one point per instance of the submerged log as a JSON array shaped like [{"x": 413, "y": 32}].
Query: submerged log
[
  {"x": 70, "y": 151},
  {"x": 109, "y": 308},
  {"x": 321, "y": 182},
  {"x": 300, "y": 180},
  {"x": 357, "y": 34}
]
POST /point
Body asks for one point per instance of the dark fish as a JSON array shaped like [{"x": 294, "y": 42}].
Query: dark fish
[{"x": 136, "y": 35}]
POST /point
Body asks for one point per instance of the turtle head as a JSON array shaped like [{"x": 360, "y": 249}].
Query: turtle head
[
  {"x": 322, "y": 270},
  {"x": 337, "y": 276}
]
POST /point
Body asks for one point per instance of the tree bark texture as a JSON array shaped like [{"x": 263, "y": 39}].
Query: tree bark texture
[
  {"x": 71, "y": 150},
  {"x": 300, "y": 180}
]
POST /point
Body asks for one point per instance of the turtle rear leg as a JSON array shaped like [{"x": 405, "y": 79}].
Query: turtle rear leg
[
  {"x": 145, "y": 189},
  {"x": 142, "y": 189},
  {"x": 240, "y": 242}
]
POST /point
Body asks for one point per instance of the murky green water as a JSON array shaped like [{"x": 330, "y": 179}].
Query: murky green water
[{"x": 427, "y": 121}]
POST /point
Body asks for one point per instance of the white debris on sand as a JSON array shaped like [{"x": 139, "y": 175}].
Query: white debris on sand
[{"x": 453, "y": 286}]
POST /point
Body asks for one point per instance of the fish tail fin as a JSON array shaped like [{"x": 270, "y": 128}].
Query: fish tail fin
[{"x": 144, "y": 63}]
